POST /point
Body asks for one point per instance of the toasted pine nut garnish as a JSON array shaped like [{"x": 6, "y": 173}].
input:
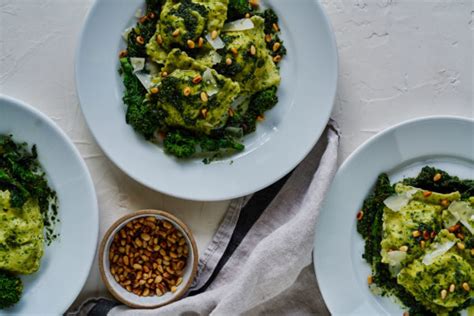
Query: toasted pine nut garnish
[
  {"x": 176, "y": 33},
  {"x": 277, "y": 58},
  {"x": 214, "y": 34},
  {"x": 159, "y": 39},
  {"x": 427, "y": 193},
  {"x": 275, "y": 27},
  {"x": 466, "y": 287},
  {"x": 416, "y": 233},
  {"x": 472, "y": 252},
  {"x": 445, "y": 203},
  {"x": 200, "y": 42},
  {"x": 461, "y": 246},
  {"x": 406, "y": 313},
  {"x": 254, "y": 3},
  {"x": 260, "y": 118},
  {"x": 164, "y": 74},
  {"x": 253, "y": 50},
  {"x": 228, "y": 61},
  {"x": 143, "y": 19},
  {"x": 123, "y": 53},
  {"x": 247, "y": 15},
  {"x": 452, "y": 287},
  {"x": 234, "y": 51},
  {"x": 187, "y": 91},
  {"x": 444, "y": 293},
  {"x": 140, "y": 40},
  {"x": 191, "y": 44},
  {"x": 370, "y": 279},
  {"x": 422, "y": 244},
  {"x": 437, "y": 177},
  {"x": 460, "y": 236},
  {"x": 404, "y": 248},
  {"x": 154, "y": 90},
  {"x": 204, "y": 97},
  {"x": 204, "y": 112},
  {"x": 197, "y": 79},
  {"x": 150, "y": 263},
  {"x": 454, "y": 228},
  {"x": 276, "y": 46},
  {"x": 360, "y": 215},
  {"x": 268, "y": 38},
  {"x": 151, "y": 15},
  {"x": 231, "y": 112}
]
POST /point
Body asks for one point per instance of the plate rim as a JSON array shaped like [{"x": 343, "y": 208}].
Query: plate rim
[
  {"x": 90, "y": 184},
  {"x": 332, "y": 45},
  {"x": 361, "y": 148}
]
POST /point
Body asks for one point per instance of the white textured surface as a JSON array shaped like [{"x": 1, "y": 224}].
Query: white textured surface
[{"x": 398, "y": 60}]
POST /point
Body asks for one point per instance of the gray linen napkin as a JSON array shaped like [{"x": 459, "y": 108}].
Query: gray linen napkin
[{"x": 259, "y": 261}]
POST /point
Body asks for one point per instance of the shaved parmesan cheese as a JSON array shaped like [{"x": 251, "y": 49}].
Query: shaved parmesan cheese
[
  {"x": 398, "y": 201},
  {"x": 440, "y": 249},
  {"x": 126, "y": 33},
  {"x": 215, "y": 57},
  {"x": 145, "y": 79},
  {"x": 152, "y": 68},
  {"x": 238, "y": 101},
  {"x": 137, "y": 63},
  {"x": 210, "y": 82},
  {"x": 217, "y": 43},
  {"x": 208, "y": 78},
  {"x": 394, "y": 260},
  {"x": 463, "y": 212},
  {"x": 238, "y": 25}
]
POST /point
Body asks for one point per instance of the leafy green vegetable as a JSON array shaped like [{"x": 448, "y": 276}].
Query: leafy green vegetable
[
  {"x": 179, "y": 144},
  {"x": 184, "y": 145},
  {"x": 446, "y": 184},
  {"x": 270, "y": 18},
  {"x": 11, "y": 289},
  {"x": 141, "y": 114},
  {"x": 22, "y": 175},
  {"x": 259, "y": 103},
  {"x": 237, "y": 9}
]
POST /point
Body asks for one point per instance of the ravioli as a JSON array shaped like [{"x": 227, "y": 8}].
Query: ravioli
[
  {"x": 196, "y": 105},
  {"x": 419, "y": 214},
  {"x": 426, "y": 281},
  {"x": 184, "y": 21},
  {"x": 21, "y": 236},
  {"x": 253, "y": 69}
]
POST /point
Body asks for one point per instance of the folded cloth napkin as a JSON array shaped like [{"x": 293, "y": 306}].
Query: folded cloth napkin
[{"x": 259, "y": 261}]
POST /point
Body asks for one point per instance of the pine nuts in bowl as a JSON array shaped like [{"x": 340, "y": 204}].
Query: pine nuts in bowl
[{"x": 148, "y": 259}]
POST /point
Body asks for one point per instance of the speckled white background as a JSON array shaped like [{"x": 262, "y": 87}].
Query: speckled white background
[{"x": 398, "y": 60}]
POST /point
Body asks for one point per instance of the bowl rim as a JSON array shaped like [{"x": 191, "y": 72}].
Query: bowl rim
[{"x": 129, "y": 217}]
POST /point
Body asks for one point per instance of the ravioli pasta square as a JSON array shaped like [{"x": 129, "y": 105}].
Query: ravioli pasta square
[
  {"x": 193, "y": 96},
  {"x": 184, "y": 21}
]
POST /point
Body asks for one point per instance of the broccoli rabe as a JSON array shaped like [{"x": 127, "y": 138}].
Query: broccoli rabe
[
  {"x": 179, "y": 144},
  {"x": 184, "y": 145},
  {"x": 259, "y": 103},
  {"x": 11, "y": 288},
  {"x": 144, "y": 117}
]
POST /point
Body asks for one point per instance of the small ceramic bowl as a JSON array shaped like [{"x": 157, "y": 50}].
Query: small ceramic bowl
[{"x": 129, "y": 298}]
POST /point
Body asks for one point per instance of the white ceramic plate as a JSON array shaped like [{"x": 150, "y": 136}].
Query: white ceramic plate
[
  {"x": 67, "y": 261},
  {"x": 401, "y": 151},
  {"x": 309, "y": 77}
]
